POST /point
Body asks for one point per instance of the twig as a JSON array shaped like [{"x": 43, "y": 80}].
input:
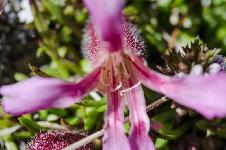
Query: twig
[
  {"x": 100, "y": 133},
  {"x": 10, "y": 130},
  {"x": 156, "y": 104},
  {"x": 85, "y": 140},
  {"x": 37, "y": 71}
]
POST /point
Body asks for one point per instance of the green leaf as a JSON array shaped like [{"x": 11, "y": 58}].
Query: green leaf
[
  {"x": 4, "y": 123},
  {"x": 43, "y": 114},
  {"x": 101, "y": 109},
  {"x": 94, "y": 103},
  {"x": 72, "y": 120},
  {"x": 22, "y": 135},
  {"x": 90, "y": 111},
  {"x": 89, "y": 123},
  {"x": 80, "y": 112},
  {"x": 72, "y": 67},
  {"x": 20, "y": 76},
  {"x": 179, "y": 131},
  {"x": 164, "y": 3},
  {"x": 127, "y": 127},
  {"x": 30, "y": 124},
  {"x": 59, "y": 112},
  {"x": 160, "y": 135},
  {"x": 86, "y": 66},
  {"x": 165, "y": 116},
  {"x": 160, "y": 143},
  {"x": 62, "y": 51},
  {"x": 54, "y": 9}
]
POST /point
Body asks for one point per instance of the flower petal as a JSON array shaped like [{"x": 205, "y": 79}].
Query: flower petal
[
  {"x": 149, "y": 77},
  {"x": 204, "y": 93},
  {"x": 39, "y": 93},
  {"x": 107, "y": 17},
  {"x": 133, "y": 42},
  {"x": 92, "y": 46},
  {"x": 114, "y": 136},
  {"x": 140, "y": 123}
]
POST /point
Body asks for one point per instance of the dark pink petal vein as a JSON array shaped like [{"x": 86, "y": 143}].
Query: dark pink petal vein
[{"x": 107, "y": 17}]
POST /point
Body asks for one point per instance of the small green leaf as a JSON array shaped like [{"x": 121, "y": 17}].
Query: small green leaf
[
  {"x": 101, "y": 109},
  {"x": 160, "y": 143},
  {"x": 4, "y": 123},
  {"x": 165, "y": 116},
  {"x": 160, "y": 135},
  {"x": 80, "y": 112},
  {"x": 43, "y": 114},
  {"x": 62, "y": 51},
  {"x": 89, "y": 123},
  {"x": 22, "y": 135},
  {"x": 19, "y": 76},
  {"x": 59, "y": 112},
  {"x": 72, "y": 121},
  {"x": 86, "y": 66},
  {"x": 90, "y": 111},
  {"x": 127, "y": 127},
  {"x": 30, "y": 124},
  {"x": 95, "y": 103}
]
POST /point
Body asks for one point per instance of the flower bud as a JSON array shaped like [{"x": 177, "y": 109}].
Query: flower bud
[{"x": 56, "y": 140}]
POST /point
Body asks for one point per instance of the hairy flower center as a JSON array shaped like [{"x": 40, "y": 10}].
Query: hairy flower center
[
  {"x": 117, "y": 74},
  {"x": 94, "y": 49}
]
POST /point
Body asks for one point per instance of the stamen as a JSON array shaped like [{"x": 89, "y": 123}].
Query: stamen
[
  {"x": 128, "y": 89},
  {"x": 117, "y": 87},
  {"x": 103, "y": 82}
]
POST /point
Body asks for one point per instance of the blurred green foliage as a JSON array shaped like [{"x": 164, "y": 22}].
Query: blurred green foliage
[{"x": 164, "y": 25}]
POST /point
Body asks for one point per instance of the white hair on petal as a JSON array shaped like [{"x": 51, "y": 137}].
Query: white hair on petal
[
  {"x": 133, "y": 40},
  {"x": 90, "y": 42}
]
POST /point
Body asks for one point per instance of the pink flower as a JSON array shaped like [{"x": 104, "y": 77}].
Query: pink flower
[{"x": 114, "y": 47}]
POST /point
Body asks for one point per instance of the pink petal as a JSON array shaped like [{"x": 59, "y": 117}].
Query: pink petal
[
  {"x": 133, "y": 42},
  {"x": 92, "y": 46},
  {"x": 39, "y": 93},
  {"x": 140, "y": 123},
  {"x": 107, "y": 17},
  {"x": 114, "y": 137},
  {"x": 149, "y": 77},
  {"x": 205, "y": 93}
]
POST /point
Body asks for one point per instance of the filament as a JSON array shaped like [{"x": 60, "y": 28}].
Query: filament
[
  {"x": 128, "y": 89},
  {"x": 117, "y": 87}
]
